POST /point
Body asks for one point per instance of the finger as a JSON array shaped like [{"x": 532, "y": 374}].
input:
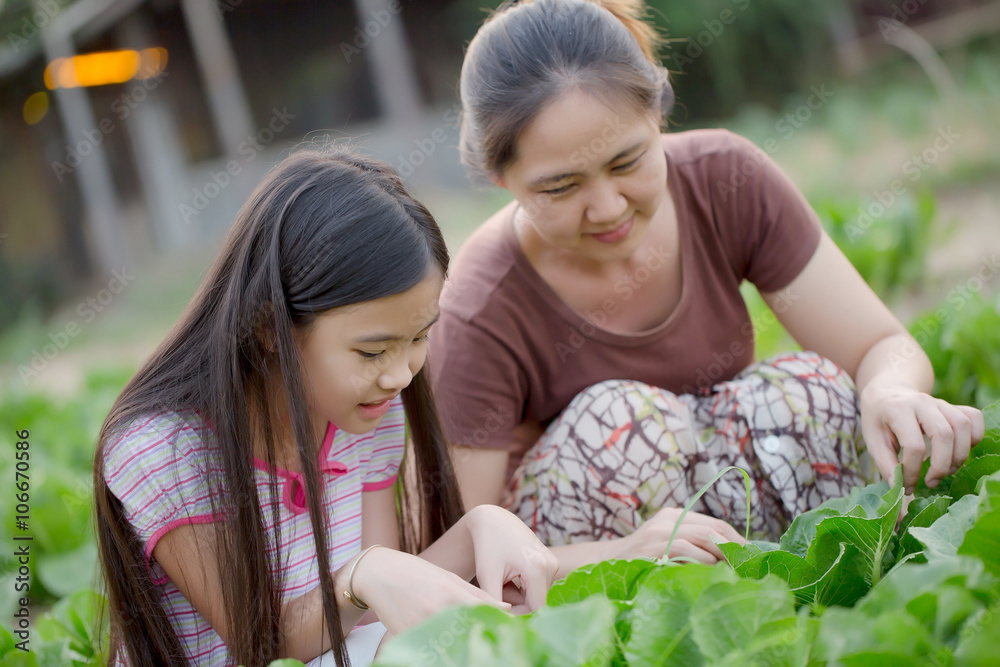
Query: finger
[
  {"x": 490, "y": 581},
  {"x": 961, "y": 424},
  {"x": 882, "y": 447},
  {"x": 976, "y": 419},
  {"x": 513, "y": 595},
  {"x": 536, "y": 587},
  {"x": 942, "y": 438},
  {"x": 912, "y": 448},
  {"x": 482, "y": 597},
  {"x": 688, "y": 550}
]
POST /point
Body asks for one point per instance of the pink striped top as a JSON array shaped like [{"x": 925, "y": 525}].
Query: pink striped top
[{"x": 159, "y": 469}]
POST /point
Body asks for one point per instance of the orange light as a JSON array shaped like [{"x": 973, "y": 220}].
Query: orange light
[
  {"x": 104, "y": 67},
  {"x": 153, "y": 61}
]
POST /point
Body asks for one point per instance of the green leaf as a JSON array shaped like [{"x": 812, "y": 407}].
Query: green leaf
[
  {"x": 615, "y": 579},
  {"x": 66, "y": 573},
  {"x": 75, "y": 618},
  {"x": 862, "y": 501},
  {"x": 869, "y": 528},
  {"x": 580, "y": 634},
  {"x": 19, "y": 659},
  {"x": 971, "y": 472},
  {"x": 286, "y": 662},
  {"x": 942, "y": 538},
  {"x": 6, "y": 640},
  {"x": 456, "y": 636},
  {"x": 660, "y": 615},
  {"x": 983, "y": 541},
  {"x": 728, "y": 616},
  {"x": 941, "y": 594},
  {"x": 892, "y": 639},
  {"x": 922, "y": 513},
  {"x": 977, "y": 646}
]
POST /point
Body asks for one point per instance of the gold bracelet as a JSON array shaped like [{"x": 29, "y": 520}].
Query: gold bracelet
[{"x": 349, "y": 593}]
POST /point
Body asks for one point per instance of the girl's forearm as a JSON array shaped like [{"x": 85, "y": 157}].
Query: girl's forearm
[
  {"x": 304, "y": 630},
  {"x": 895, "y": 361}
]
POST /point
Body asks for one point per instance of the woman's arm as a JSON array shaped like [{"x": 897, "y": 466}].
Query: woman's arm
[
  {"x": 830, "y": 309},
  {"x": 481, "y": 475}
]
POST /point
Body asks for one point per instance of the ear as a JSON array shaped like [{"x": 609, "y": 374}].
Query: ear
[{"x": 498, "y": 180}]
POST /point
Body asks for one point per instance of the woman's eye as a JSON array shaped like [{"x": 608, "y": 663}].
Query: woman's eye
[
  {"x": 421, "y": 339},
  {"x": 628, "y": 165},
  {"x": 557, "y": 191},
  {"x": 371, "y": 355}
]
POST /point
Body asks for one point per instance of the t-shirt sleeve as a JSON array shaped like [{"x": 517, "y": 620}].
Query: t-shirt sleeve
[
  {"x": 772, "y": 231},
  {"x": 158, "y": 468},
  {"x": 479, "y": 386},
  {"x": 385, "y": 449}
]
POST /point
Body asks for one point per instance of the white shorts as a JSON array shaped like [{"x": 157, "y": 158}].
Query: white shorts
[{"x": 362, "y": 642}]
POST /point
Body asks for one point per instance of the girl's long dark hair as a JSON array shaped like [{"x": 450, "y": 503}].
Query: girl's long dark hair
[{"x": 325, "y": 229}]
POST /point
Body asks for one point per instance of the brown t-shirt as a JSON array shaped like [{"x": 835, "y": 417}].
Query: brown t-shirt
[{"x": 508, "y": 351}]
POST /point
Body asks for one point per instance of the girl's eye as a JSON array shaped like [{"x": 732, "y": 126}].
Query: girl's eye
[
  {"x": 422, "y": 339},
  {"x": 371, "y": 355}
]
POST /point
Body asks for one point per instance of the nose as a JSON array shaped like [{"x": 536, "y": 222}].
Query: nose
[
  {"x": 399, "y": 372},
  {"x": 607, "y": 203}
]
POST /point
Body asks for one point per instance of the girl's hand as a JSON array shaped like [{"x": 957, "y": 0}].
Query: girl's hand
[
  {"x": 894, "y": 421},
  {"x": 694, "y": 539},
  {"x": 511, "y": 562},
  {"x": 404, "y": 589}
]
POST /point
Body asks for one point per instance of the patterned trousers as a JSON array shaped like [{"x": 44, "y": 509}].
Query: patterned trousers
[{"x": 621, "y": 450}]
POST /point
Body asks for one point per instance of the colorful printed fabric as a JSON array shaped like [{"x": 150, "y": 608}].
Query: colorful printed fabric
[{"x": 622, "y": 450}]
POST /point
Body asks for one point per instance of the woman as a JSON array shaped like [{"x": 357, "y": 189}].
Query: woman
[{"x": 594, "y": 358}]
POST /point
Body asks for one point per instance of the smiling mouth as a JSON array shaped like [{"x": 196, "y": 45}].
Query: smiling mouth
[
  {"x": 616, "y": 233},
  {"x": 380, "y": 402}
]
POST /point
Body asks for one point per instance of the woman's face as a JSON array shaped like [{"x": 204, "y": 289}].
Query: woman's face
[
  {"x": 588, "y": 178},
  {"x": 359, "y": 357}
]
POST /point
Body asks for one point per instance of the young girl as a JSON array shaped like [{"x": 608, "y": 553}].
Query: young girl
[
  {"x": 594, "y": 355},
  {"x": 247, "y": 472}
]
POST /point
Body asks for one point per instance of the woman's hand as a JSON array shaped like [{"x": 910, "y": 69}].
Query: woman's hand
[
  {"x": 404, "y": 589},
  {"x": 894, "y": 421},
  {"x": 511, "y": 563},
  {"x": 694, "y": 538}
]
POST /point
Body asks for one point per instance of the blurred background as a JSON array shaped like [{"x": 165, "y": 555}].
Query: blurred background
[{"x": 131, "y": 131}]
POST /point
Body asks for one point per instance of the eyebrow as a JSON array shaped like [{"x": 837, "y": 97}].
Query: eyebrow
[
  {"x": 546, "y": 180},
  {"x": 384, "y": 338}
]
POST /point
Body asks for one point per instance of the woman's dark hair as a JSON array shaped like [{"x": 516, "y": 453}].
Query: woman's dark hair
[
  {"x": 528, "y": 54},
  {"x": 325, "y": 229}
]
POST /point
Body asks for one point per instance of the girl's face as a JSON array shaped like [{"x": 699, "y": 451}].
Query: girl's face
[
  {"x": 589, "y": 178},
  {"x": 359, "y": 357}
]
